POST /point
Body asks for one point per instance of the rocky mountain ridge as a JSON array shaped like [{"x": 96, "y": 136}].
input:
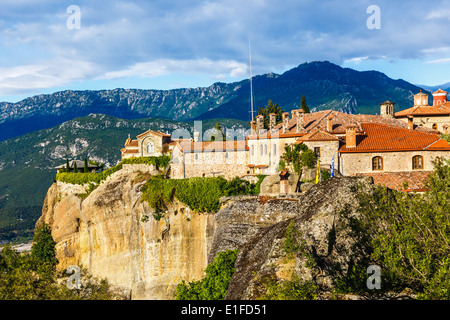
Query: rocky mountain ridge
[{"x": 324, "y": 84}]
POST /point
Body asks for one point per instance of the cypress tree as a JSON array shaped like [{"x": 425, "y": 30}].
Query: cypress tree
[
  {"x": 75, "y": 168},
  {"x": 303, "y": 104},
  {"x": 86, "y": 168},
  {"x": 67, "y": 165}
]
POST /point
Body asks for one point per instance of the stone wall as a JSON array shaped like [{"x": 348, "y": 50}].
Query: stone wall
[
  {"x": 354, "y": 163},
  {"x": 428, "y": 121},
  {"x": 328, "y": 150},
  {"x": 228, "y": 164}
]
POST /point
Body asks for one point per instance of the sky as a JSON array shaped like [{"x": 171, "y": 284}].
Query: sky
[{"x": 53, "y": 45}]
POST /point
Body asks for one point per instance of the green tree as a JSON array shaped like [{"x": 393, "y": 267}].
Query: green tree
[
  {"x": 303, "y": 104},
  {"x": 268, "y": 109},
  {"x": 43, "y": 248},
  {"x": 408, "y": 235},
  {"x": 86, "y": 168},
  {"x": 75, "y": 167},
  {"x": 67, "y": 165},
  {"x": 218, "y": 133},
  {"x": 215, "y": 284}
]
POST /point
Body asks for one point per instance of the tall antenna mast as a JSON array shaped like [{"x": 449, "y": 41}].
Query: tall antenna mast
[{"x": 251, "y": 84}]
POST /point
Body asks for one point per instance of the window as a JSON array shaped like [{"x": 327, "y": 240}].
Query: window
[
  {"x": 150, "y": 147},
  {"x": 261, "y": 150},
  {"x": 253, "y": 150},
  {"x": 417, "y": 162},
  {"x": 317, "y": 151},
  {"x": 377, "y": 163},
  {"x": 434, "y": 126},
  {"x": 274, "y": 149},
  {"x": 196, "y": 156},
  {"x": 265, "y": 149}
]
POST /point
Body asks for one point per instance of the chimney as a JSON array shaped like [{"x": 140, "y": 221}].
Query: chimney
[
  {"x": 387, "y": 109},
  {"x": 300, "y": 119},
  {"x": 196, "y": 136},
  {"x": 294, "y": 114},
  {"x": 285, "y": 122},
  {"x": 272, "y": 120},
  {"x": 410, "y": 123},
  {"x": 259, "y": 124},
  {"x": 252, "y": 128},
  {"x": 350, "y": 136},
  {"x": 329, "y": 124}
]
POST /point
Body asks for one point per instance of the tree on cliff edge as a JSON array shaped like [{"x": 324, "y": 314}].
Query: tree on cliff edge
[{"x": 43, "y": 247}]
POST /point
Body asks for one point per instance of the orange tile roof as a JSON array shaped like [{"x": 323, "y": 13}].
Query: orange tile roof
[
  {"x": 161, "y": 134},
  {"x": 395, "y": 180},
  {"x": 318, "y": 121},
  {"x": 131, "y": 143},
  {"x": 382, "y": 138},
  {"x": 129, "y": 151},
  {"x": 440, "y": 91},
  {"x": 442, "y": 109},
  {"x": 317, "y": 135}
]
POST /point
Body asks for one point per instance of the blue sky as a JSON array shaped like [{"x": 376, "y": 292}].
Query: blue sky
[{"x": 184, "y": 43}]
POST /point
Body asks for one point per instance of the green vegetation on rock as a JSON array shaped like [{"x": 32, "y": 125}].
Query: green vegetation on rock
[{"x": 215, "y": 284}]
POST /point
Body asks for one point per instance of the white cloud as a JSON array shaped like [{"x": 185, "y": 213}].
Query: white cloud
[
  {"x": 43, "y": 75},
  {"x": 165, "y": 66}
]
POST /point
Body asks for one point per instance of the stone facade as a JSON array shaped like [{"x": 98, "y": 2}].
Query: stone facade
[{"x": 356, "y": 163}]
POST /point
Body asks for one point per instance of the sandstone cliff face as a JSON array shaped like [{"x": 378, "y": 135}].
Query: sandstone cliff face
[{"x": 104, "y": 234}]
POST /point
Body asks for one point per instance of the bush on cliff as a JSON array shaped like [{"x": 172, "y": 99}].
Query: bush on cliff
[
  {"x": 200, "y": 194},
  {"x": 90, "y": 177},
  {"x": 214, "y": 286}
]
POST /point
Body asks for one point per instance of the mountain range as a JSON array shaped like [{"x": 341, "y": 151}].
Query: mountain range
[
  {"x": 41, "y": 132},
  {"x": 324, "y": 84},
  {"x": 27, "y": 162}
]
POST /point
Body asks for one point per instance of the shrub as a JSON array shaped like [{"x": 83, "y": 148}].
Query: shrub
[
  {"x": 43, "y": 248},
  {"x": 215, "y": 284}
]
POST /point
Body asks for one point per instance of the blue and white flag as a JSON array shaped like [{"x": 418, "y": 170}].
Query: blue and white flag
[{"x": 332, "y": 167}]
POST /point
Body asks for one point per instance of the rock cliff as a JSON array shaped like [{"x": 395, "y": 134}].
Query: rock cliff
[{"x": 108, "y": 233}]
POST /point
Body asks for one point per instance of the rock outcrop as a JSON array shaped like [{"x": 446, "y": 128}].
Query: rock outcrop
[
  {"x": 113, "y": 235},
  {"x": 108, "y": 233},
  {"x": 316, "y": 218}
]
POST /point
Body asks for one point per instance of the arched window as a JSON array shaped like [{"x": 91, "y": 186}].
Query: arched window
[
  {"x": 417, "y": 162},
  {"x": 150, "y": 148},
  {"x": 434, "y": 126},
  {"x": 377, "y": 163}
]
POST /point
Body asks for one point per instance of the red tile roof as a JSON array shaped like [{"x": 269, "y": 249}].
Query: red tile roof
[
  {"x": 406, "y": 181},
  {"x": 161, "y": 134},
  {"x": 317, "y": 135},
  {"x": 318, "y": 121},
  {"x": 382, "y": 138},
  {"x": 442, "y": 109}
]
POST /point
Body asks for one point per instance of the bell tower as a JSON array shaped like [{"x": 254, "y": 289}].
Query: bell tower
[
  {"x": 439, "y": 97},
  {"x": 387, "y": 109}
]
